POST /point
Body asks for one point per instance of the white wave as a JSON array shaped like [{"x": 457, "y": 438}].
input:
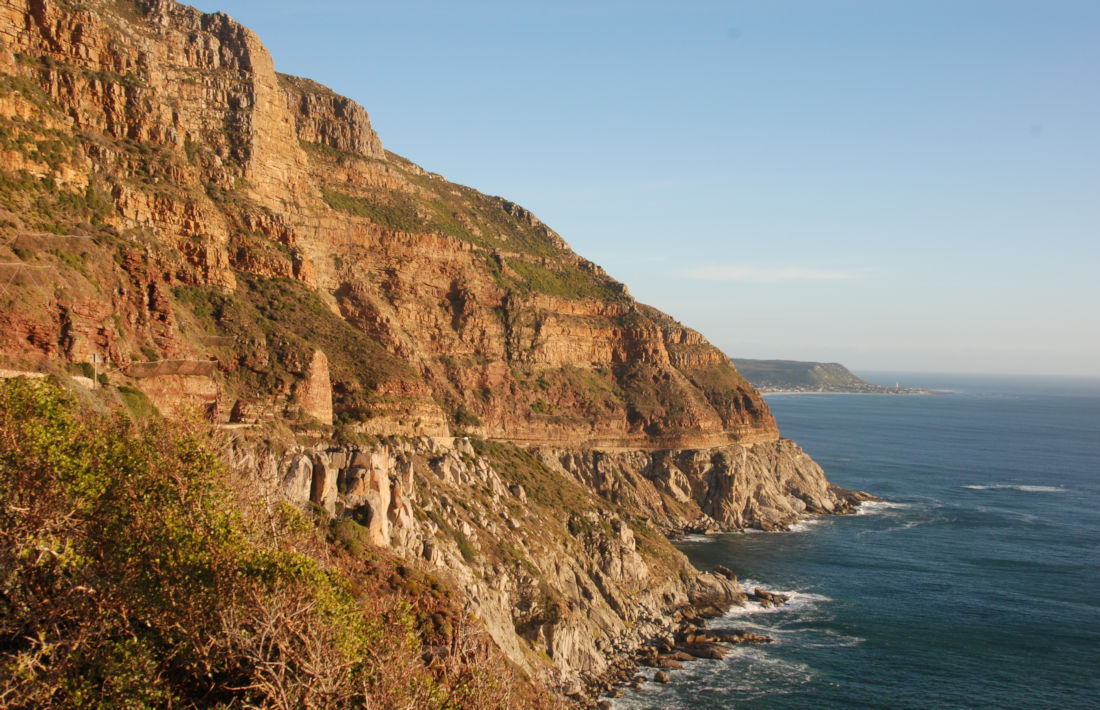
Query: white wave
[
  {"x": 748, "y": 672},
  {"x": 806, "y": 523},
  {"x": 797, "y": 600},
  {"x": 873, "y": 507},
  {"x": 698, "y": 538},
  {"x": 826, "y": 638},
  {"x": 1017, "y": 487}
]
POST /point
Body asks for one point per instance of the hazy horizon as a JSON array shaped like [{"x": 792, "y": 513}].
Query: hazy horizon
[{"x": 889, "y": 186}]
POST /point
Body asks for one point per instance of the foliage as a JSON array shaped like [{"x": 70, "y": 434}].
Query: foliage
[
  {"x": 139, "y": 570},
  {"x": 543, "y": 486},
  {"x": 288, "y": 321},
  {"x": 42, "y": 203},
  {"x": 464, "y": 418},
  {"x": 465, "y": 547},
  {"x": 137, "y": 402},
  {"x": 563, "y": 281}
]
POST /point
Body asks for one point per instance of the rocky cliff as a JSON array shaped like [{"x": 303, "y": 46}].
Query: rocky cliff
[{"x": 211, "y": 234}]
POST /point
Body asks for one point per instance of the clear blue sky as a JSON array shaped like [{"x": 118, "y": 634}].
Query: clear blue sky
[{"x": 890, "y": 185}]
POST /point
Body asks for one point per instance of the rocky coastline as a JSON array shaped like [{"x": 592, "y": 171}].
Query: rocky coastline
[
  {"x": 688, "y": 639},
  {"x": 555, "y": 571}
]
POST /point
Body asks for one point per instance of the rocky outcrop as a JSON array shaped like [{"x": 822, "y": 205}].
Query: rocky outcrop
[
  {"x": 315, "y": 391},
  {"x": 323, "y": 117},
  {"x": 766, "y": 485},
  {"x": 556, "y": 574}
]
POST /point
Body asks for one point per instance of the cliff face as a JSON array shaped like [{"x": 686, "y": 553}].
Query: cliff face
[
  {"x": 166, "y": 136},
  {"x": 229, "y": 238},
  {"x": 563, "y": 581}
]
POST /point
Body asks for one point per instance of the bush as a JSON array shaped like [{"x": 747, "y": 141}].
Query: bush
[
  {"x": 141, "y": 408},
  {"x": 138, "y": 570}
]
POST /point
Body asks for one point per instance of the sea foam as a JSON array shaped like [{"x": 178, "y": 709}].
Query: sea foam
[
  {"x": 1016, "y": 487},
  {"x": 874, "y": 507}
]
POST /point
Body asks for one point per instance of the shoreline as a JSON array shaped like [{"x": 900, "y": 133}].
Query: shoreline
[
  {"x": 903, "y": 392},
  {"x": 686, "y": 640},
  {"x": 625, "y": 670}
]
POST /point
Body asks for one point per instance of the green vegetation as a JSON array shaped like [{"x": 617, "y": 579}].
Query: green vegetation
[
  {"x": 73, "y": 261},
  {"x": 84, "y": 369},
  {"x": 42, "y": 204},
  {"x": 29, "y": 90},
  {"x": 563, "y": 280},
  {"x": 326, "y": 150},
  {"x": 491, "y": 223},
  {"x": 543, "y": 486},
  {"x": 140, "y": 571},
  {"x": 651, "y": 393},
  {"x": 137, "y": 402},
  {"x": 401, "y": 211},
  {"x": 351, "y": 535},
  {"x": 723, "y": 387},
  {"x": 361, "y": 207},
  {"x": 464, "y": 418},
  {"x": 284, "y": 322},
  {"x": 465, "y": 547}
]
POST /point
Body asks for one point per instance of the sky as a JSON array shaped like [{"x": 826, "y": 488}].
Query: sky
[{"x": 900, "y": 186}]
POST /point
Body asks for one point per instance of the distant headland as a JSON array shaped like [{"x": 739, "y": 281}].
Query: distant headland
[{"x": 770, "y": 376}]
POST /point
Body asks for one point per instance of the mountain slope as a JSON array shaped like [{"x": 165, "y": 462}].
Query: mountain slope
[{"x": 206, "y": 175}]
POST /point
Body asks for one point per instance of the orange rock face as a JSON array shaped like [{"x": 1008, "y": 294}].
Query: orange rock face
[{"x": 229, "y": 212}]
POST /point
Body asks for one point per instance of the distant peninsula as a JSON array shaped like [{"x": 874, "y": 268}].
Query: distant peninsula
[{"x": 797, "y": 376}]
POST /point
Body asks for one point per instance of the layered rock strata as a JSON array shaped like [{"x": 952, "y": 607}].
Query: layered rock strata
[{"x": 160, "y": 167}]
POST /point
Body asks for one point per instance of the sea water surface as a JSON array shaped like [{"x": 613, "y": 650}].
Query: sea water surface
[{"x": 976, "y": 584}]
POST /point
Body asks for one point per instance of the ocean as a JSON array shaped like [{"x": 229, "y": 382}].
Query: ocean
[{"x": 975, "y": 584}]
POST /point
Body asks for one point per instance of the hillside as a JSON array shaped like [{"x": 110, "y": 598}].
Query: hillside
[
  {"x": 799, "y": 376},
  {"x": 428, "y": 367}
]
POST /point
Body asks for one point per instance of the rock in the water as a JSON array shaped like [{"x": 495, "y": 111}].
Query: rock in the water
[
  {"x": 661, "y": 677},
  {"x": 741, "y": 636},
  {"x": 707, "y": 650},
  {"x": 725, "y": 572},
  {"x": 769, "y": 599},
  {"x": 666, "y": 662}
]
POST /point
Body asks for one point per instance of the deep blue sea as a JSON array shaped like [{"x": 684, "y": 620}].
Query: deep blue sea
[{"x": 976, "y": 584}]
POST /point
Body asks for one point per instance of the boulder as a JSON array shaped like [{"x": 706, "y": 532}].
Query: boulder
[
  {"x": 725, "y": 572},
  {"x": 715, "y": 651}
]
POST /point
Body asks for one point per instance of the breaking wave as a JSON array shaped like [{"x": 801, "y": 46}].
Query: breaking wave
[
  {"x": 698, "y": 538},
  {"x": 875, "y": 507},
  {"x": 1016, "y": 487}
]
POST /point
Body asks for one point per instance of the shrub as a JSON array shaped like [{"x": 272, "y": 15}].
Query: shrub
[
  {"x": 138, "y": 570},
  {"x": 137, "y": 402}
]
